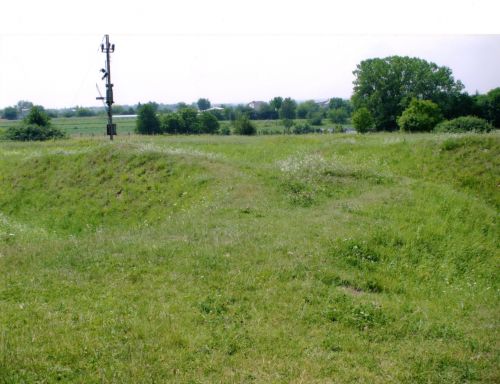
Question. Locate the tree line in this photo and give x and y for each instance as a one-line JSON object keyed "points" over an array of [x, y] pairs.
{"points": [[406, 93]]}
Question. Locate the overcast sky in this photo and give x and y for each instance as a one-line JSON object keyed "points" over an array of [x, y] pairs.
{"points": [[233, 51]]}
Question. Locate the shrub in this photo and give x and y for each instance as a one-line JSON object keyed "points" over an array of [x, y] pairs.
{"points": [[33, 132], [224, 130], [300, 129], [288, 124], [363, 120], [243, 126], [208, 123], [172, 123], [315, 118], [464, 124], [338, 129], [420, 116], [338, 116]]}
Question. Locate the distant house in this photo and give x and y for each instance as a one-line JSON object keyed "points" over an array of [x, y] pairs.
{"points": [[324, 103], [256, 104]]}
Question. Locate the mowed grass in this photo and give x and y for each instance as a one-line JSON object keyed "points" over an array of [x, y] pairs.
{"points": [[272, 259]]}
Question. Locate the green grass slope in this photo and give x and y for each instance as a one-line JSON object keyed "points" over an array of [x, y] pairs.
{"points": [[278, 259]]}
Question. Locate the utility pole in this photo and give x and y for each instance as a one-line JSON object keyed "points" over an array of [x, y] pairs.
{"points": [[108, 48]]}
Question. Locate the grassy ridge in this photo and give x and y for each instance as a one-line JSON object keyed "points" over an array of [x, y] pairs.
{"points": [[280, 259]]}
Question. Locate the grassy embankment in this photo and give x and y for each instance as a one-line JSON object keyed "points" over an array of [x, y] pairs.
{"points": [[322, 258]]}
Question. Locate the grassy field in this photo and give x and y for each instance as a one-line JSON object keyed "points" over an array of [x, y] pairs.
{"points": [[85, 126], [96, 126], [272, 259]]}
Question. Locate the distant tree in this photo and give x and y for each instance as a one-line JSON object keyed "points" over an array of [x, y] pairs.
{"points": [[265, 112], [203, 104], [339, 103], [181, 105], [362, 120], [84, 112], [229, 113], [243, 126], [420, 116], [10, 113], [190, 120], [117, 110], [208, 123], [147, 122], [307, 108], [69, 113], [172, 123], [37, 116], [315, 118], [218, 113], [386, 86], [288, 109], [23, 106], [276, 102], [53, 113], [338, 116], [242, 109]]}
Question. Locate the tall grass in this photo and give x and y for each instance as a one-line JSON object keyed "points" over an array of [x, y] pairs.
{"points": [[321, 258]]}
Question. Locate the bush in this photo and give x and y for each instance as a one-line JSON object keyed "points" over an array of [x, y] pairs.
{"points": [[301, 129], [464, 124], [363, 120], [224, 130], [420, 116], [208, 123], [287, 123], [33, 132], [243, 126], [338, 116], [172, 123], [315, 118]]}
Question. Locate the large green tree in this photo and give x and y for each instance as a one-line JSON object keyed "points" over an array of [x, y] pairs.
{"points": [[386, 86]]}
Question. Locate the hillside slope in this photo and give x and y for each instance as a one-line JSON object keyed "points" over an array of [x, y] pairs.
{"points": [[335, 258]]}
